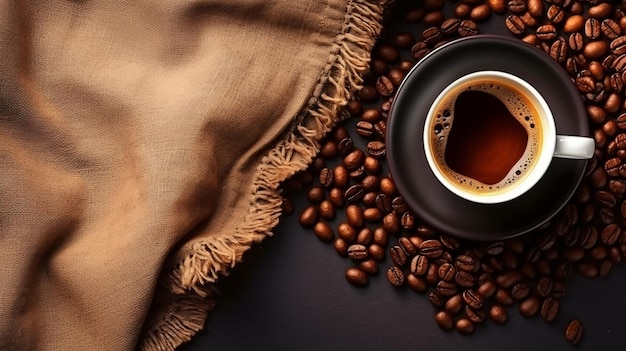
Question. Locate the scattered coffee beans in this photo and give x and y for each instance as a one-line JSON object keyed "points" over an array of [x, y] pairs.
{"points": [[354, 203]]}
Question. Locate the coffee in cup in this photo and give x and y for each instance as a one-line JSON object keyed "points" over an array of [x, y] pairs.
{"points": [[490, 136]]}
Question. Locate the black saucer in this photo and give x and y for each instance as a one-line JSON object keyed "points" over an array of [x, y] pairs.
{"points": [[425, 195]]}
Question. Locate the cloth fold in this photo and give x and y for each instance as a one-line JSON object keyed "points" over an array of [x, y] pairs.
{"points": [[142, 145]]}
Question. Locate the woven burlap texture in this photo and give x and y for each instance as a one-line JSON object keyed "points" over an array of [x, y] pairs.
{"points": [[142, 145]]}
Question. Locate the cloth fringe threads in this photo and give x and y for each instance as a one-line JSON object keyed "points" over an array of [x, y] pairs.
{"points": [[192, 281]]}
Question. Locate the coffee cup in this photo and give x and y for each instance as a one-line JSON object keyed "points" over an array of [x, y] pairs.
{"points": [[490, 136]]}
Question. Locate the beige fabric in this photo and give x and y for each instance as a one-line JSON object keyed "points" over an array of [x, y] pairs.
{"points": [[141, 147]]}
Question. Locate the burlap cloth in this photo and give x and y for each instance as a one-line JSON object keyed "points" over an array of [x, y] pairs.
{"points": [[142, 144]]}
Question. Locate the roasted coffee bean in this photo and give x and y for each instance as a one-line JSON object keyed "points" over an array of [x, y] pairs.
{"points": [[600, 10], [595, 49], [464, 326], [535, 8], [398, 256], [354, 193], [549, 309], [530, 306], [372, 165], [515, 24], [449, 242], [372, 214], [605, 268], [450, 26], [387, 186], [473, 299], [436, 299], [341, 246], [465, 263], [431, 249], [309, 216], [520, 291], [407, 246], [315, 194], [419, 265], [346, 232], [447, 272], [326, 210], [416, 283], [585, 84], [357, 252], [480, 13], [335, 196], [365, 236], [610, 234], [558, 50], [467, 28], [464, 279], [486, 289], [369, 266], [558, 290], [419, 50], [546, 32], [354, 159], [574, 24], [326, 177], [574, 331], [476, 316], [508, 279], [388, 52], [384, 86], [432, 35], [498, 314], [391, 224], [517, 6], [345, 146], [407, 220], [370, 184], [395, 276], [376, 252], [444, 320], [398, 205], [544, 286], [433, 18], [592, 28], [588, 237], [575, 41], [610, 29], [454, 304], [587, 269], [403, 40], [323, 231], [504, 297], [605, 198], [555, 14], [356, 276], [445, 288], [364, 128], [383, 203]]}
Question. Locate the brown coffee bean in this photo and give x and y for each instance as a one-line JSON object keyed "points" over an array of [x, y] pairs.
{"points": [[544, 286], [573, 24], [432, 35], [587, 269], [574, 331], [315, 194], [356, 276], [595, 49], [454, 304], [610, 234], [398, 256], [605, 268], [498, 314], [388, 52], [433, 18], [416, 283], [487, 289], [575, 41], [309, 216], [326, 177], [444, 320], [447, 272], [419, 265], [516, 6], [354, 193], [450, 26], [508, 279], [372, 214], [515, 24], [555, 14], [435, 299], [419, 50], [335, 196], [391, 224], [530, 306], [346, 145], [357, 252], [618, 45], [592, 28], [464, 279], [610, 29], [480, 13], [520, 291], [600, 10], [546, 32], [467, 28], [464, 326], [445, 288], [465, 263], [431, 249], [407, 246], [403, 40], [503, 297], [326, 210], [376, 252], [585, 84], [341, 246], [324, 231], [395, 276], [346, 232], [549, 309], [369, 266], [473, 299], [365, 236]]}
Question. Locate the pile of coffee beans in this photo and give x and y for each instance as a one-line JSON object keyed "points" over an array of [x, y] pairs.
{"points": [[355, 206]]}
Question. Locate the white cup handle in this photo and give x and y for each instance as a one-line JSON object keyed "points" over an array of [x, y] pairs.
{"points": [[575, 147]]}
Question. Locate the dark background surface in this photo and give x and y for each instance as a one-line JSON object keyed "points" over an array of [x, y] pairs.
{"points": [[290, 293]]}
